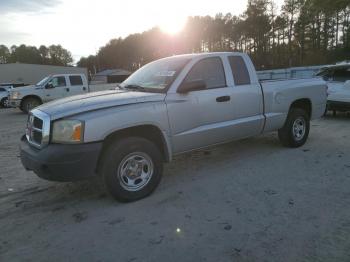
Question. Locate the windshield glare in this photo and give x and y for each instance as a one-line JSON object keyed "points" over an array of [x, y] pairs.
{"points": [[157, 75], [42, 81]]}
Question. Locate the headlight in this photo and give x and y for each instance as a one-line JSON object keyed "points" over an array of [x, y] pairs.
{"points": [[68, 131], [15, 95]]}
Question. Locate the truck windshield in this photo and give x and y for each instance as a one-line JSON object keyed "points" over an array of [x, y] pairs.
{"points": [[42, 81], [156, 76]]}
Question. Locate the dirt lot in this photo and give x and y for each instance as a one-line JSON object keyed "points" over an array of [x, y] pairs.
{"points": [[251, 200]]}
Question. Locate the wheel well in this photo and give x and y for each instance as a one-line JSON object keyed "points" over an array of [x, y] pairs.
{"points": [[304, 104], [30, 96], [149, 132]]}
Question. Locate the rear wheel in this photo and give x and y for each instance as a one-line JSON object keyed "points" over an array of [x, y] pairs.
{"points": [[29, 103], [131, 168], [296, 129]]}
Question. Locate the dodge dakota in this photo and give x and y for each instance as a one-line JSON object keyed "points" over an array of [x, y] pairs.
{"points": [[167, 107]]}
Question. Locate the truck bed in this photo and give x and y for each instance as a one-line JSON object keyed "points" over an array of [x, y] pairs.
{"points": [[279, 95]]}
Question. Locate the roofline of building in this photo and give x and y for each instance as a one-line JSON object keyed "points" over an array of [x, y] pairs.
{"points": [[41, 65]]}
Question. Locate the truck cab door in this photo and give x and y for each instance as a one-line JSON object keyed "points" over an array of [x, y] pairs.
{"points": [[77, 85], [55, 88], [201, 117], [247, 97]]}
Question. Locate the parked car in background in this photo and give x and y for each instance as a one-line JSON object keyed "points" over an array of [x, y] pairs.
{"points": [[166, 108], [338, 81], [51, 88], [4, 92]]}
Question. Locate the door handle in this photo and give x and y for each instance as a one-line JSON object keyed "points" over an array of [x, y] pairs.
{"points": [[223, 99], [67, 89]]}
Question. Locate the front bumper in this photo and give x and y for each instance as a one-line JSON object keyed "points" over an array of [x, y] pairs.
{"points": [[338, 106], [14, 103], [58, 162]]}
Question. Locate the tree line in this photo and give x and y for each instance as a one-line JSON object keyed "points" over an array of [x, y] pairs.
{"points": [[302, 32], [51, 55]]}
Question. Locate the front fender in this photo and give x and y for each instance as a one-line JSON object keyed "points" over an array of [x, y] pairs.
{"points": [[102, 123]]}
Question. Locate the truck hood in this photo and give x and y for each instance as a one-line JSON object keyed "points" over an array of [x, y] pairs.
{"points": [[25, 89], [97, 100]]}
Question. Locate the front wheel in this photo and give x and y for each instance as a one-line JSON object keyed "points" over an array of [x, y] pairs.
{"points": [[296, 129], [4, 102], [29, 103], [131, 168]]}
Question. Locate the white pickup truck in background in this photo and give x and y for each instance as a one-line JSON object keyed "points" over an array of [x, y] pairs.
{"points": [[51, 88]]}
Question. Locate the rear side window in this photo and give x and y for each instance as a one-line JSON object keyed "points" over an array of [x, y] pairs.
{"points": [[210, 70], [75, 80], [239, 70]]}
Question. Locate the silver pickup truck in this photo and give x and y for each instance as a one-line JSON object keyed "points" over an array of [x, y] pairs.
{"points": [[170, 106]]}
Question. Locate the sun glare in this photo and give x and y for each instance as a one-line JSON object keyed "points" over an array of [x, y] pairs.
{"points": [[172, 25]]}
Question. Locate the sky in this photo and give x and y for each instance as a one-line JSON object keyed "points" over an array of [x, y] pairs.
{"points": [[83, 26]]}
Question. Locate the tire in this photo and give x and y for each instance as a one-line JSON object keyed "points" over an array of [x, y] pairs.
{"points": [[29, 103], [3, 102], [296, 129], [131, 168]]}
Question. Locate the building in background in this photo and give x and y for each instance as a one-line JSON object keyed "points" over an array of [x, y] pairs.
{"points": [[29, 74], [110, 76]]}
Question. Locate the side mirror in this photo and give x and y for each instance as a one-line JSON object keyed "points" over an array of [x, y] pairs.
{"points": [[48, 86], [195, 85]]}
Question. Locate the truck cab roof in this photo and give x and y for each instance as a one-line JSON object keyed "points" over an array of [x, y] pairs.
{"points": [[203, 55]]}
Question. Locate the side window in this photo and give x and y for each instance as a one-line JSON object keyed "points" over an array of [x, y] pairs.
{"points": [[210, 70], [58, 81], [341, 75], [2, 89], [239, 70], [75, 80]]}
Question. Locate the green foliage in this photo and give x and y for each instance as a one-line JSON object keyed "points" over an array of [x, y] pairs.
{"points": [[57, 55], [4, 54], [304, 32], [52, 55], [89, 62]]}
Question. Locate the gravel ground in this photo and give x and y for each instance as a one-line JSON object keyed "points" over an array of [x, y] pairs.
{"points": [[251, 200]]}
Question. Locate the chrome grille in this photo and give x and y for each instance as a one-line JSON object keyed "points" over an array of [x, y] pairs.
{"points": [[38, 128]]}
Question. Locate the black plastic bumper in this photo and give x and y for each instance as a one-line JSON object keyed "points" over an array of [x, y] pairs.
{"points": [[338, 106], [59, 162]]}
